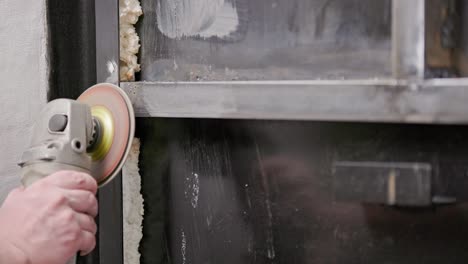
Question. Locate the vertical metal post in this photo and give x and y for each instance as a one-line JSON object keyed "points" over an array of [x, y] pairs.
{"points": [[72, 46], [107, 70], [408, 37]]}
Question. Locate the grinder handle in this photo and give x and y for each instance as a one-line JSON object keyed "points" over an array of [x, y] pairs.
{"points": [[37, 171]]}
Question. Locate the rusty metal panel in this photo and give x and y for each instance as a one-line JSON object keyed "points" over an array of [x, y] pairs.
{"points": [[389, 183]]}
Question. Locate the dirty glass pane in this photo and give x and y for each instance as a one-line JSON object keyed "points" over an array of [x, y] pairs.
{"points": [[235, 192], [224, 40]]}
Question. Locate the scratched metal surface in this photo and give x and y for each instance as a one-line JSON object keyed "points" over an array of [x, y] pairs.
{"points": [[446, 38], [273, 40], [232, 191]]}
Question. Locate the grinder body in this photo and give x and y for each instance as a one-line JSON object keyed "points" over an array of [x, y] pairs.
{"points": [[92, 134], [59, 141]]}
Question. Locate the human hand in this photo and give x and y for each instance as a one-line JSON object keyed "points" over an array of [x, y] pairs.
{"points": [[50, 221]]}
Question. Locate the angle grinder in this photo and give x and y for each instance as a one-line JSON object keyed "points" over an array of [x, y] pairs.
{"points": [[92, 134]]}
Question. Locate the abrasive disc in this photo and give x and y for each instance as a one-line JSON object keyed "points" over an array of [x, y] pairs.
{"points": [[113, 108]]}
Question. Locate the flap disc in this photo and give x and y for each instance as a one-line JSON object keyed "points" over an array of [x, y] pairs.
{"points": [[114, 125]]}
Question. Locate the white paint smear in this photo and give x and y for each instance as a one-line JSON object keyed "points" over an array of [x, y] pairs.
{"points": [[111, 66], [111, 69], [183, 246], [192, 189], [195, 190], [203, 18]]}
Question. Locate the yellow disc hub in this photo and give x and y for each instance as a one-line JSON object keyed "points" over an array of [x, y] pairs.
{"points": [[105, 134]]}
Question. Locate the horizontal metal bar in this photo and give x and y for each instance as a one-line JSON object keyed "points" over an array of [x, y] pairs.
{"points": [[442, 101]]}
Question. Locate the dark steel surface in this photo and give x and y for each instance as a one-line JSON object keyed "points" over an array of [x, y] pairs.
{"points": [[274, 40], [71, 44], [231, 191]]}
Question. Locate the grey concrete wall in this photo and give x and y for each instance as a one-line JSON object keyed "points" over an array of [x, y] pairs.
{"points": [[23, 75]]}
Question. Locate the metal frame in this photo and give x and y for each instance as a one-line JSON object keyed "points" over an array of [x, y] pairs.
{"points": [[85, 50]]}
